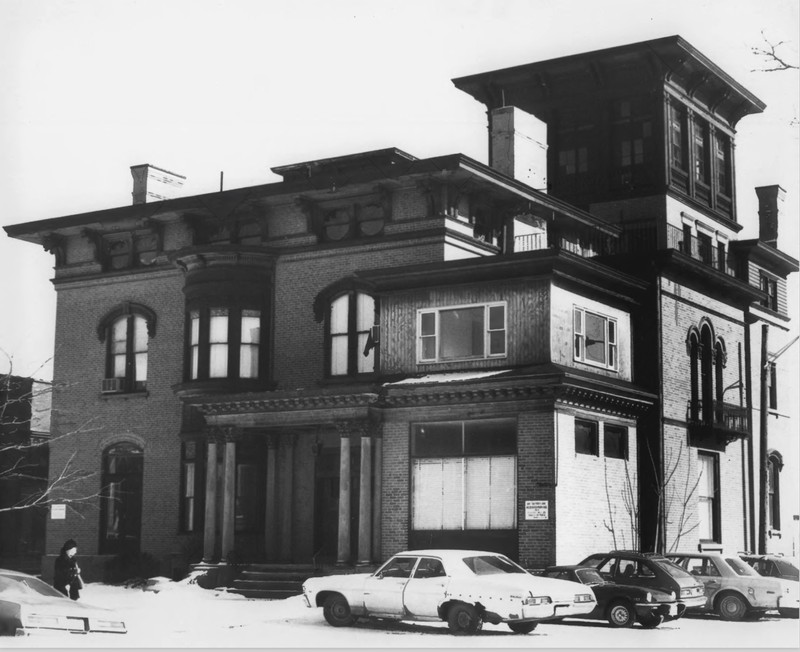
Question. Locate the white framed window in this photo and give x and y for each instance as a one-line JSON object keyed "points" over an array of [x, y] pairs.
{"points": [[708, 498], [595, 339], [249, 344], [466, 332]]}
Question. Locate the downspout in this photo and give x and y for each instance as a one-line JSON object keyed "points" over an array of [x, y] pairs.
{"points": [[762, 436], [748, 362], [744, 450], [661, 539]]}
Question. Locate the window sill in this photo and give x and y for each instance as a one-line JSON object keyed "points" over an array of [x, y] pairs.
{"points": [[124, 395]]}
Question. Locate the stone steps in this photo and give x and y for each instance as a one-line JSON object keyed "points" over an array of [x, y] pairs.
{"points": [[272, 581]]}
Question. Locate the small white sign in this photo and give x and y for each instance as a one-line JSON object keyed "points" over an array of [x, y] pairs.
{"points": [[58, 512], [536, 510]]}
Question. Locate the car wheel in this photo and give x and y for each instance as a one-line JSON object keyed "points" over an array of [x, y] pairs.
{"points": [[731, 607], [463, 618], [522, 628], [337, 611], [620, 614], [652, 621], [788, 613]]}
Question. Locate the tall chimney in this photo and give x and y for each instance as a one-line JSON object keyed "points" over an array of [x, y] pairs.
{"points": [[770, 199], [154, 184], [518, 145]]}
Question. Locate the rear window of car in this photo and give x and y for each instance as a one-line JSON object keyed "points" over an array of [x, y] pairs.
{"points": [[786, 569], [741, 568], [672, 569], [491, 565]]}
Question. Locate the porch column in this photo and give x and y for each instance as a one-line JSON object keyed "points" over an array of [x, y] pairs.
{"points": [[228, 495], [377, 485], [365, 501], [343, 551], [286, 506], [210, 523], [271, 517]]}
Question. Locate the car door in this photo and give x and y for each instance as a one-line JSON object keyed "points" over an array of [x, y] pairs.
{"points": [[425, 591], [383, 591], [706, 572]]}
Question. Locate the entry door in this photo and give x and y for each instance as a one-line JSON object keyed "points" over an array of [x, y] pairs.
{"points": [[326, 502], [121, 499]]}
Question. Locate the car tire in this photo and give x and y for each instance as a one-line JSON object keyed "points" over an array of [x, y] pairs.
{"points": [[337, 611], [652, 621], [463, 619], [522, 628], [789, 613], [732, 607], [620, 614]]}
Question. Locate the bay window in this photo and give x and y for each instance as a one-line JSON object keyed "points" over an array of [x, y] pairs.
{"points": [[223, 342]]}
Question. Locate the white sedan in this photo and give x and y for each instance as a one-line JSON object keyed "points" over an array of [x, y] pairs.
{"points": [[462, 587]]}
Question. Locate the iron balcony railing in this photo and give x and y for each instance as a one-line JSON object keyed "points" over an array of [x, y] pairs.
{"points": [[733, 420]]}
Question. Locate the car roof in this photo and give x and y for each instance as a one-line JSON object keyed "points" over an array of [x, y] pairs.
{"points": [[446, 553], [706, 555], [8, 571], [569, 567]]}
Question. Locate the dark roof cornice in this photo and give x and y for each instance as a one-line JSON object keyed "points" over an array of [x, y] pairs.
{"points": [[767, 256]]}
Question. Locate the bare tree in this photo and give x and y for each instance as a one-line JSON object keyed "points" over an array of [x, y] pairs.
{"points": [[774, 61], [629, 527], [22, 447]]}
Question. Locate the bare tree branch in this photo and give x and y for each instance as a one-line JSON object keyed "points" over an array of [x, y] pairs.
{"points": [[769, 52]]}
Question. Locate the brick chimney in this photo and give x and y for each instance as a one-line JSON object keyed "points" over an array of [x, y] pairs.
{"points": [[770, 200], [518, 146], [154, 184]]}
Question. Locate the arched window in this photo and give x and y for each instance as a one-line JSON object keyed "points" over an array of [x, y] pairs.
{"points": [[121, 499], [351, 334], [693, 346], [126, 330], [707, 373], [774, 467]]}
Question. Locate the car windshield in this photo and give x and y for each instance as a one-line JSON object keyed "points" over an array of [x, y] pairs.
{"points": [[20, 584], [741, 568], [492, 565], [589, 576], [672, 569]]}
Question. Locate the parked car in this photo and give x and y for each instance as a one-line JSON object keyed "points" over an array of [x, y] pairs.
{"points": [[28, 605], [650, 571], [621, 604], [461, 587], [773, 566], [732, 588]]}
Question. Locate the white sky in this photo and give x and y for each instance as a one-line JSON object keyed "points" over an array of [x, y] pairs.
{"points": [[90, 87]]}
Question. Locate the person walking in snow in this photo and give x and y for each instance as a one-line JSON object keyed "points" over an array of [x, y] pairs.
{"points": [[67, 577]]}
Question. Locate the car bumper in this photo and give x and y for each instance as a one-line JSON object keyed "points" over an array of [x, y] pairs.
{"points": [[667, 610], [695, 603], [555, 610]]}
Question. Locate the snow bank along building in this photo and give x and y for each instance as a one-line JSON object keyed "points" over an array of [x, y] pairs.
{"points": [[550, 355]]}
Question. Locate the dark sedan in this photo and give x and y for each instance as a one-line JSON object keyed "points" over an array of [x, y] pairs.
{"points": [[621, 604]]}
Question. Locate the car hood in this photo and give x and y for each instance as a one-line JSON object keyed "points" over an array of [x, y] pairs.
{"points": [[42, 604], [344, 581]]}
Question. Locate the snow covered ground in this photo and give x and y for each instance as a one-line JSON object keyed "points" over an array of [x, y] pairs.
{"points": [[181, 614]]}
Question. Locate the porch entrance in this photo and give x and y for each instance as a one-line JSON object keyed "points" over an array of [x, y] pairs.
{"points": [[326, 503]]}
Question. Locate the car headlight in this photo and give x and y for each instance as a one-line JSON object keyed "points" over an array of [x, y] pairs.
{"points": [[38, 620], [535, 601], [116, 625], [648, 597], [584, 597], [672, 595]]}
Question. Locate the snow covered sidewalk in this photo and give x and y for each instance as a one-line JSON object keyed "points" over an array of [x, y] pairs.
{"points": [[181, 614]]}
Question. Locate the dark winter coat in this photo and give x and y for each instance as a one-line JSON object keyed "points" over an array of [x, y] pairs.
{"points": [[67, 578]]}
